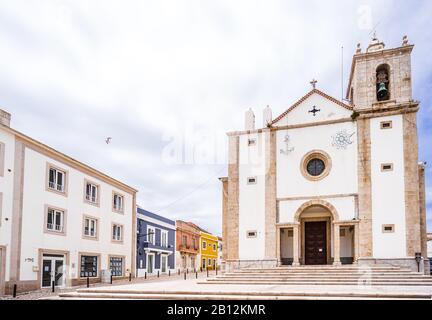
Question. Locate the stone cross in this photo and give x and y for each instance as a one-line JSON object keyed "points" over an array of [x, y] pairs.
{"points": [[313, 83], [314, 110]]}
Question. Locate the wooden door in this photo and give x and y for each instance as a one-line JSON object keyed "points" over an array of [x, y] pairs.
{"points": [[316, 243]]}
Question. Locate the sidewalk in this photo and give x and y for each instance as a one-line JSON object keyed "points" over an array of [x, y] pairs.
{"points": [[34, 295]]}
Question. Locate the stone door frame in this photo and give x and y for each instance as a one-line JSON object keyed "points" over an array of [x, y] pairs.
{"points": [[2, 269]]}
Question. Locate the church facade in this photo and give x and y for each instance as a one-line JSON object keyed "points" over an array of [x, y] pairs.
{"points": [[331, 182]]}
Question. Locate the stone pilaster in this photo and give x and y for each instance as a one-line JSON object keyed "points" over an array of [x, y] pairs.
{"points": [[224, 181], [422, 208], [270, 195], [412, 210], [17, 207], [296, 242], [232, 219], [336, 245], [356, 242], [364, 188]]}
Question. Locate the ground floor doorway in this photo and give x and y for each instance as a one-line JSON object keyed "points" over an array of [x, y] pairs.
{"points": [[315, 243], [150, 263], [53, 270], [164, 263]]}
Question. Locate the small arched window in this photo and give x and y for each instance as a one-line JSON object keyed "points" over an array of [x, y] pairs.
{"points": [[383, 82]]}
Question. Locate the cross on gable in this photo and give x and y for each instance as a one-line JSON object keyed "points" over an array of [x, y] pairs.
{"points": [[313, 83], [314, 110]]}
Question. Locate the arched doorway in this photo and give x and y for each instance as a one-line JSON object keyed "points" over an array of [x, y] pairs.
{"points": [[316, 235]]}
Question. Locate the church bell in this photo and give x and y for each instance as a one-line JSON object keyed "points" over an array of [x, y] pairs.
{"points": [[382, 90]]}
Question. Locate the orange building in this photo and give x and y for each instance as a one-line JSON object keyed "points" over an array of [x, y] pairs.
{"points": [[188, 245]]}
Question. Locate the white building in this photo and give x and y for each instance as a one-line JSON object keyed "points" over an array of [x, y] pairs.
{"points": [[329, 182], [60, 220]]}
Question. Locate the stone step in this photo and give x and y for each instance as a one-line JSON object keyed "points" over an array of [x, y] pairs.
{"points": [[383, 280], [326, 278], [373, 282], [334, 269], [236, 295], [334, 274], [329, 266]]}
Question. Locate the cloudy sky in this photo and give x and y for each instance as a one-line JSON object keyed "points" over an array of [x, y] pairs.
{"points": [[167, 79]]}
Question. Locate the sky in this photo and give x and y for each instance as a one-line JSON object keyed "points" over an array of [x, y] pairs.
{"points": [[167, 79]]}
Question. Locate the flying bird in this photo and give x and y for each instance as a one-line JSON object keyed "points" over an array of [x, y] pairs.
{"points": [[108, 140]]}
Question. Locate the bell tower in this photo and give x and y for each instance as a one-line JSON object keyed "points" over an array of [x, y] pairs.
{"points": [[380, 77], [391, 224]]}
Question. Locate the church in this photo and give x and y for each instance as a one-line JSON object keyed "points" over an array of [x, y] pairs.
{"points": [[330, 182]]}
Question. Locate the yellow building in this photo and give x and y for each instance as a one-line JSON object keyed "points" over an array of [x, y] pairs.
{"points": [[208, 250]]}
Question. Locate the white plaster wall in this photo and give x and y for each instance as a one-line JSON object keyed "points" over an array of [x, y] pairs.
{"points": [[388, 198], [6, 188], [301, 114], [251, 197], [346, 208], [342, 178], [35, 199]]}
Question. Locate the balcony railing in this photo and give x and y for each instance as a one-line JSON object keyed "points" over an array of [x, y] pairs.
{"points": [[188, 247], [91, 198], [89, 233], [55, 186], [54, 227], [118, 207]]}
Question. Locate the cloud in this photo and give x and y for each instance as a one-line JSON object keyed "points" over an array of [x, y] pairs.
{"points": [[74, 72]]}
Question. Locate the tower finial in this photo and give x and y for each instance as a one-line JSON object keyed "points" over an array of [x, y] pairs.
{"points": [[313, 83]]}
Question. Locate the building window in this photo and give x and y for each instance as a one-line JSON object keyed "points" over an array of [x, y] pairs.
{"points": [[194, 243], [315, 165], [118, 202], [388, 228], [251, 234], [55, 220], [387, 167], [386, 124], [164, 239], [57, 179], [251, 142], [151, 235], [117, 232], [91, 192], [90, 227], [116, 266], [204, 245], [89, 266], [209, 262], [203, 263], [251, 180], [290, 233], [184, 240], [214, 247]]}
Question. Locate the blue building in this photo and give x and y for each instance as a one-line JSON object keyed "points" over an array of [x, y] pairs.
{"points": [[155, 243]]}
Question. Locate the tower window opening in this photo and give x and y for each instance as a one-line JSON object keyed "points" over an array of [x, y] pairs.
{"points": [[382, 83]]}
